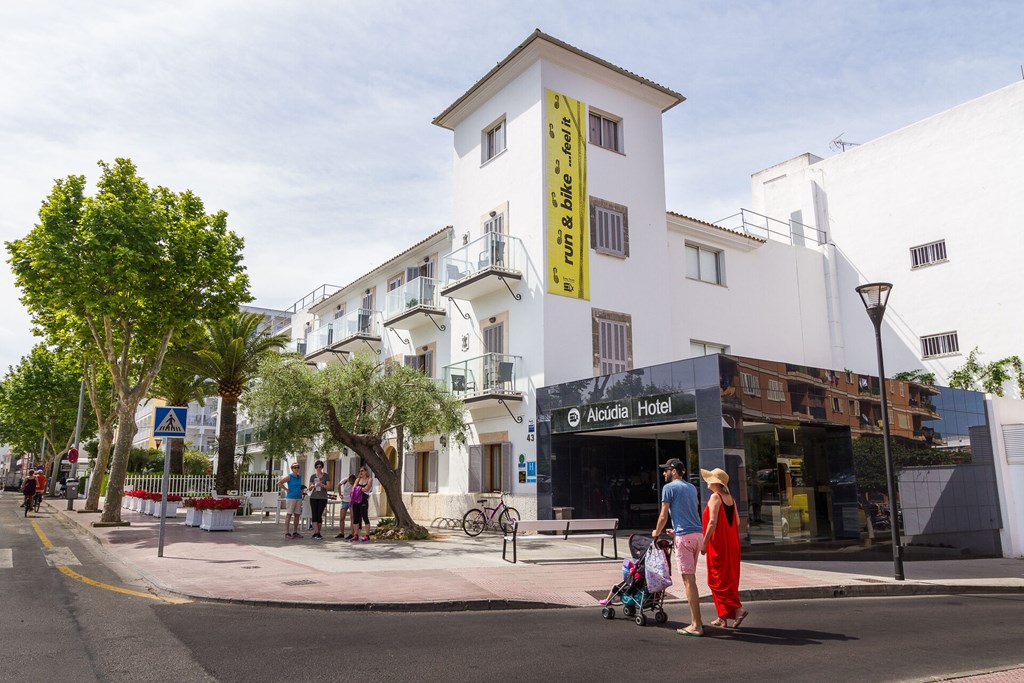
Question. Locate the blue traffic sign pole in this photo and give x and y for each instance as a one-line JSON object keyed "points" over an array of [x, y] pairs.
{"points": [[168, 423]]}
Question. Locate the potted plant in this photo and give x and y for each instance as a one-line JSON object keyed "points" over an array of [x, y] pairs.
{"points": [[171, 510], [193, 515], [218, 513]]}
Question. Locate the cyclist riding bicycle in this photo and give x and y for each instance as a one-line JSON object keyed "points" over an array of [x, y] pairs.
{"points": [[40, 486], [28, 489]]}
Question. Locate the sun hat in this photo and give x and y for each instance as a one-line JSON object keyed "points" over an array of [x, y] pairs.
{"points": [[715, 476]]}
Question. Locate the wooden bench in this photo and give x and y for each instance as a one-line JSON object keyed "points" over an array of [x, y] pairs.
{"points": [[563, 529]]}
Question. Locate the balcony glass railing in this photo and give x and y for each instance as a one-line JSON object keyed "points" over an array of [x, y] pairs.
{"points": [[487, 374], [421, 291], [493, 250], [362, 322]]}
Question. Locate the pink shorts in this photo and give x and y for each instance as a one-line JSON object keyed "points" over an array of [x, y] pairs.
{"points": [[687, 551]]}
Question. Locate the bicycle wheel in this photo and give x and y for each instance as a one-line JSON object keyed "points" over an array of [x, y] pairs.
{"points": [[473, 522], [38, 504], [506, 517]]}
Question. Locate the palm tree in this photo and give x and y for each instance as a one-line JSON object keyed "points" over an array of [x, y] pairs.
{"points": [[229, 356], [179, 386]]}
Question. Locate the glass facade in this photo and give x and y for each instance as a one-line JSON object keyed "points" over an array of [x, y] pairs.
{"points": [[802, 445]]}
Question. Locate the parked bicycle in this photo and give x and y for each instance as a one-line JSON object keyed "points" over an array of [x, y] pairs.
{"points": [[500, 517]]}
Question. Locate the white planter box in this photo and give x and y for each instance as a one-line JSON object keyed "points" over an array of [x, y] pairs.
{"points": [[126, 502], [136, 504], [193, 516], [171, 511], [147, 507], [218, 520]]}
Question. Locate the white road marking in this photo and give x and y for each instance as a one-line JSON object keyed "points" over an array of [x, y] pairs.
{"points": [[56, 557], [6, 558]]}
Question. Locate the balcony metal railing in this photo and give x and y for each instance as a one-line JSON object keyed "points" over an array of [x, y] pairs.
{"points": [[491, 373], [493, 250], [418, 292], [363, 322], [765, 227]]}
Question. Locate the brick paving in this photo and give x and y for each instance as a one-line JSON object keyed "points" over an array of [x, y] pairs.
{"points": [[256, 563]]}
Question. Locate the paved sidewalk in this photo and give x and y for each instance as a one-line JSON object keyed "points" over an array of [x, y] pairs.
{"points": [[256, 564]]}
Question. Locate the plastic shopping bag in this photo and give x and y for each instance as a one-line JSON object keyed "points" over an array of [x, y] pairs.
{"points": [[656, 570]]}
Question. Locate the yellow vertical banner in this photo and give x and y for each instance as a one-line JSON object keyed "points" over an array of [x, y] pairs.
{"points": [[566, 176]]}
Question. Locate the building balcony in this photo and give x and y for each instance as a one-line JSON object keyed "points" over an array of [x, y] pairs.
{"points": [[486, 380], [348, 334], [483, 266], [414, 304]]}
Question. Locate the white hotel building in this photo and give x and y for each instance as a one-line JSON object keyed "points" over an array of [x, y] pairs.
{"points": [[564, 283]]}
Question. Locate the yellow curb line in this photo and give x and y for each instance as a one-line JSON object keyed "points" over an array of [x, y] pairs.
{"points": [[72, 574]]}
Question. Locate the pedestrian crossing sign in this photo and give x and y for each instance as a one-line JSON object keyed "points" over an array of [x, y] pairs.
{"points": [[169, 421]]}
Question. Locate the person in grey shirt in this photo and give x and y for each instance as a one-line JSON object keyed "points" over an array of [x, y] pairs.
{"points": [[319, 485]]}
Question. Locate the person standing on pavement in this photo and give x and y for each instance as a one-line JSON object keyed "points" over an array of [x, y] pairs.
{"points": [[319, 485], [721, 544], [679, 499], [345, 493], [293, 500], [361, 505]]}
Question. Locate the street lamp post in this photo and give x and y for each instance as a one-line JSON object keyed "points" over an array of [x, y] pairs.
{"points": [[875, 296]]}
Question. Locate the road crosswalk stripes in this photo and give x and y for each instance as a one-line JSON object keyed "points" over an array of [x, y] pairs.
{"points": [[6, 558], [60, 557]]}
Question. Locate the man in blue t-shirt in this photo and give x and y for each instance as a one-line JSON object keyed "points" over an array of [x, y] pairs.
{"points": [[679, 499]]}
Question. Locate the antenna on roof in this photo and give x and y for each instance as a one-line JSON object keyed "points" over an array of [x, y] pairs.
{"points": [[840, 145]]}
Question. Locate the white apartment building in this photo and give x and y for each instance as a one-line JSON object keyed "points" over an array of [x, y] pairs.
{"points": [[934, 208]]}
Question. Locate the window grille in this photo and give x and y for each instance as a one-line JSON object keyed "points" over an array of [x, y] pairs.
{"points": [[940, 345], [933, 252]]}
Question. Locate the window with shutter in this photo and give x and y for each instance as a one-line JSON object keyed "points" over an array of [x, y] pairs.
{"points": [[604, 132], [432, 472], [612, 350], [476, 468], [494, 338], [608, 232]]}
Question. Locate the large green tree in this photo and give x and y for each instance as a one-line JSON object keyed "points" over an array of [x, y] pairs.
{"points": [[358, 405], [40, 397], [122, 271], [229, 356]]}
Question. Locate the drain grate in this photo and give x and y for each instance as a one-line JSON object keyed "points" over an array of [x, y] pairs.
{"points": [[300, 582]]}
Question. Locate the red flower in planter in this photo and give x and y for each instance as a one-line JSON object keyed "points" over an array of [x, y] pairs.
{"points": [[210, 503]]}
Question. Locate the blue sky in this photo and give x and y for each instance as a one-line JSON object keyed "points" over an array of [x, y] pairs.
{"points": [[309, 122]]}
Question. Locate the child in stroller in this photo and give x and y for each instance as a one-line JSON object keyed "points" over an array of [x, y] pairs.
{"points": [[632, 592]]}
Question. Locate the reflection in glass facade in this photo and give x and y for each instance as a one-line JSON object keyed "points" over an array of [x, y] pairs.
{"points": [[802, 445]]}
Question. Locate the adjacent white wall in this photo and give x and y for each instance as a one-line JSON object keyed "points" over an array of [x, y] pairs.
{"points": [[954, 176], [1009, 466]]}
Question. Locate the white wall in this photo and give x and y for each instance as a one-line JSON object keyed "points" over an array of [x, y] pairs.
{"points": [[954, 176], [1009, 468]]}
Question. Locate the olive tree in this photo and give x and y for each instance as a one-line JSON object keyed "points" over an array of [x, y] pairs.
{"points": [[358, 404]]}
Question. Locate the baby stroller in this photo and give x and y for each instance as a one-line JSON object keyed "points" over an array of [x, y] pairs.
{"points": [[632, 592]]}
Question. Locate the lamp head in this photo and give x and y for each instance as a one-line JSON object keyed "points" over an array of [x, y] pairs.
{"points": [[875, 296]]}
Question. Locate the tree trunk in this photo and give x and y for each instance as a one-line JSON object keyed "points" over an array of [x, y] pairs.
{"points": [[106, 440], [373, 455], [226, 441], [177, 465], [119, 465]]}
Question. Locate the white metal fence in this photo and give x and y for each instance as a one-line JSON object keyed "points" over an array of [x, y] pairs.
{"points": [[183, 484]]}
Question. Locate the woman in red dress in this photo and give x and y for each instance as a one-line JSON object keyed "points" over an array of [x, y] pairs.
{"points": [[721, 544]]}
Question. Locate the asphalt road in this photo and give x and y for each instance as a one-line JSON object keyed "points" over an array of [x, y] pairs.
{"points": [[55, 627]]}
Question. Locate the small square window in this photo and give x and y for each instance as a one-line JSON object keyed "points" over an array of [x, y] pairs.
{"points": [[927, 254], [945, 344], [494, 141], [703, 264], [604, 132]]}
